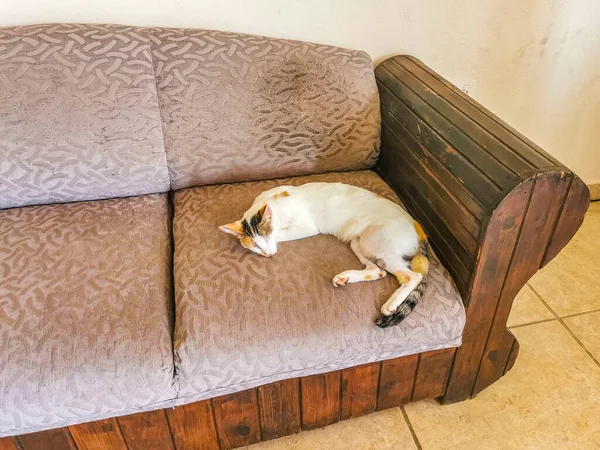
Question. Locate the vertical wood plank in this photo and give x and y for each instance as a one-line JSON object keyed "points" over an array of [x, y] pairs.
{"points": [[146, 431], [359, 390], [537, 226], [320, 400], [236, 419], [8, 443], [279, 407], [512, 356], [432, 374], [192, 426], [99, 435], [397, 381], [56, 439], [493, 262]]}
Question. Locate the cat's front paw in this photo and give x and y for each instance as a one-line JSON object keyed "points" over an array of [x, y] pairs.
{"points": [[340, 280], [388, 310]]}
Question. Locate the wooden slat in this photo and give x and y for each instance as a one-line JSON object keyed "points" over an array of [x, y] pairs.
{"points": [[56, 439], [534, 235], [397, 381], [571, 218], [494, 259], [359, 390], [8, 443], [279, 407], [396, 78], [512, 357], [99, 435], [192, 426], [320, 400], [236, 419], [432, 374], [146, 431]]}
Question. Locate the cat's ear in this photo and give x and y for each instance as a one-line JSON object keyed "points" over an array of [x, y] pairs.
{"points": [[266, 214], [234, 228]]}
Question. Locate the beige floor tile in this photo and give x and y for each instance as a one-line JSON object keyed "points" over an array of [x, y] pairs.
{"points": [[528, 308], [378, 431], [548, 401], [569, 283], [587, 329]]}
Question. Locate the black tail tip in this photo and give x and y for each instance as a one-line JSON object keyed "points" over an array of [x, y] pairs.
{"points": [[388, 321]]}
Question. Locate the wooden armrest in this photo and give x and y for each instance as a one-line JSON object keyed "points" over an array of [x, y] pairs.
{"points": [[495, 206]]}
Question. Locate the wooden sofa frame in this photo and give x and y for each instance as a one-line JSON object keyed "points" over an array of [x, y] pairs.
{"points": [[495, 207]]}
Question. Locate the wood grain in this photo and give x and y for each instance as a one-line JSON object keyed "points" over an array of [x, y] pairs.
{"points": [[56, 439], [146, 431], [432, 374], [359, 390], [8, 443], [192, 426], [237, 419], [320, 400], [279, 406], [99, 435], [397, 381]]}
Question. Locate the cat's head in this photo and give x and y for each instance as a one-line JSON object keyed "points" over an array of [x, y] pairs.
{"points": [[255, 234]]}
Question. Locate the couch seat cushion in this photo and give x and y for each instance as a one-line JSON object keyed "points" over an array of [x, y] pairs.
{"points": [[85, 318], [244, 320]]}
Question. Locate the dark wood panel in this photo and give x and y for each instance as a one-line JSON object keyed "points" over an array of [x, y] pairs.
{"points": [[439, 97], [397, 381], [494, 259], [540, 217], [100, 435], [8, 443], [492, 123], [320, 400], [570, 219], [146, 431], [57, 439], [396, 78], [479, 184], [236, 419], [279, 405], [192, 426], [359, 390], [432, 374]]}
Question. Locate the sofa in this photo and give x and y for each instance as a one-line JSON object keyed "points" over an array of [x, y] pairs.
{"points": [[127, 320]]}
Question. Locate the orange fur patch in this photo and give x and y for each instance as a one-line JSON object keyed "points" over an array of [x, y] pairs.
{"points": [[420, 232], [282, 194], [368, 277], [247, 242], [420, 264], [403, 277]]}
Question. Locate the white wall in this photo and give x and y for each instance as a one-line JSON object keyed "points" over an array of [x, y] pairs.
{"points": [[535, 63]]}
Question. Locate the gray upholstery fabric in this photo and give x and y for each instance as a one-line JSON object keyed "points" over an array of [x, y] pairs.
{"points": [[238, 107], [85, 320], [243, 320], [79, 115]]}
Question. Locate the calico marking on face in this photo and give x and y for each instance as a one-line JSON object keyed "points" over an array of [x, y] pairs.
{"points": [[257, 234]]}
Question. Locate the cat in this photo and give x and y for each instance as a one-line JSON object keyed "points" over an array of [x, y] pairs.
{"points": [[384, 237]]}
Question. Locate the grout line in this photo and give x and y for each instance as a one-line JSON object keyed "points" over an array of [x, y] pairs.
{"points": [[410, 428], [532, 323], [580, 343], [560, 319], [543, 301], [580, 313]]}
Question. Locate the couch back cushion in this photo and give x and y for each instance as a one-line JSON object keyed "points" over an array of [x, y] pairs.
{"points": [[238, 107], [79, 115]]}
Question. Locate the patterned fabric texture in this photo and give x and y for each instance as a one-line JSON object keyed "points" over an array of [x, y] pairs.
{"points": [[85, 319], [79, 115], [243, 320], [239, 107]]}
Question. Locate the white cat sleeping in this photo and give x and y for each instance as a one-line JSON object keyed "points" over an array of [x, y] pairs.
{"points": [[382, 235]]}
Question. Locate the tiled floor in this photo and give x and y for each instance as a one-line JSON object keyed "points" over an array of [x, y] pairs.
{"points": [[549, 400]]}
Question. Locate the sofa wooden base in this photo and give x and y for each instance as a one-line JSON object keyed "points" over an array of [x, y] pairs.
{"points": [[267, 412]]}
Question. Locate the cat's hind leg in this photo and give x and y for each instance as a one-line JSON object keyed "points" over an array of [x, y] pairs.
{"points": [[369, 273]]}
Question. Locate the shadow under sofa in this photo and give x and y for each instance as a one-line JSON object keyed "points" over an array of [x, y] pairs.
{"points": [[127, 320]]}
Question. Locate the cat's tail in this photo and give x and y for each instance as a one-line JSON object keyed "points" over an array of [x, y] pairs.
{"points": [[418, 264]]}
